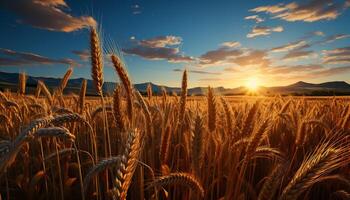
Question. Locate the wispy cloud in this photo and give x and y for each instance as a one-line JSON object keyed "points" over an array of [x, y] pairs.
{"points": [[298, 55], [336, 56], [209, 79], [159, 48], [48, 14], [264, 30], [314, 10], [332, 71], [219, 56], [304, 72], [287, 69], [256, 18], [136, 9], [333, 38], [14, 58], [159, 53], [161, 41], [252, 58], [198, 71], [231, 44], [84, 55], [291, 46]]}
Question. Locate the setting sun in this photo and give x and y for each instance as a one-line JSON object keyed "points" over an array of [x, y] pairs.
{"points": [[252, 83]]}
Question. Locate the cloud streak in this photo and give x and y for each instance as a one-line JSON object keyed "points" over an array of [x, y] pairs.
{"points": [[256, 18], [161, 41], [336, 56], [263, 31], [48, 14], [333, 38], [291, 46], [219, 56], [198, 72], [84, 55], [159, 48], [13, 58], [298, 55], [314, 10]]}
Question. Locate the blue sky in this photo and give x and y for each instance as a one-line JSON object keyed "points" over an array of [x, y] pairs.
{"points": [[220, 43]]}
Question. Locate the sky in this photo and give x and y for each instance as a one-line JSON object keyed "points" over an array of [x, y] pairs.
{"points": [[220, 43]]}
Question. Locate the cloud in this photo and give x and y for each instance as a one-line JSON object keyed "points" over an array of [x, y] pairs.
{"points": [[333, 38], [256, 18], [318, 33], [224, 56], [209, 79], [336, 56], [231, 44], [347, 4], [84, 55], [333, 71], [136, 9], [231, 69], [12, 58], [287, 69], [161, 41], [302, 72], [255, 58], [159, 48], [298, 55], [313, 34], [291, 46], [198, 72], [314, 10], [263, 30], [48, 14], [219, 56], [160, 53]]}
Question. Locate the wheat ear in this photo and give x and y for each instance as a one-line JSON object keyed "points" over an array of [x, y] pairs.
{"points": [[182, 106], [64, 80], [123, 75], [179, 179], [331, 154], [99, 167], [82, 95], [22, 84], [211, 110], [96, 60], [117, 109], [128, 164], [46, 92]]}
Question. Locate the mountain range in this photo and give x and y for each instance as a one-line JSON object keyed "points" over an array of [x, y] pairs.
{"points": [[10, 81]]}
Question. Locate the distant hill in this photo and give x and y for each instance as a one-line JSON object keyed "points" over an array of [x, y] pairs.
{"points": [[10, 81]]}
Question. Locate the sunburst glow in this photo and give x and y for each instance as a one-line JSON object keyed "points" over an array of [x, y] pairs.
{"points": [[252, 83]]}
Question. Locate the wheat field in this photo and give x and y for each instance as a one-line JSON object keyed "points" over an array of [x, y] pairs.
{"points": [[129, 146]]}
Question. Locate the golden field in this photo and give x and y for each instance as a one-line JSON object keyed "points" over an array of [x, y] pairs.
{"points": [[128, 146]]}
